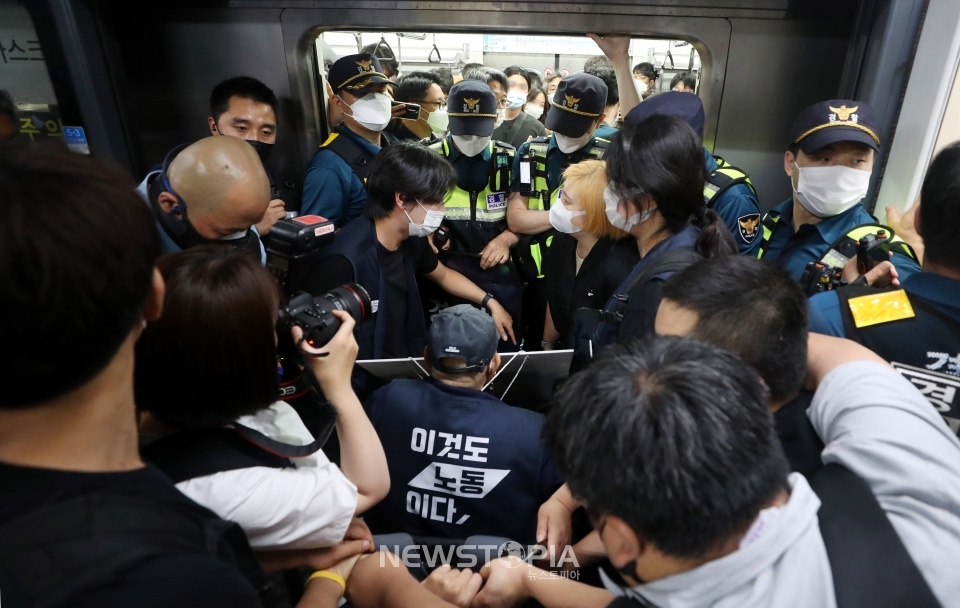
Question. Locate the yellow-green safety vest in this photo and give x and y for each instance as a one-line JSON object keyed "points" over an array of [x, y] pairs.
{"points": [[724, 177], [489, 204]]}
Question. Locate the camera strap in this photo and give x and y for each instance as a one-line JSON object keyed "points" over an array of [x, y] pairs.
{"points": [[278, 448]]}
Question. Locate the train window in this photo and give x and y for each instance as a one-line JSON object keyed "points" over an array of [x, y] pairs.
{"points": [[675, 63]]}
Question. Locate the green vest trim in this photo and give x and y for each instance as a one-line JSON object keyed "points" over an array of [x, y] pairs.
{"points": [[463, 205], [724, 177]]}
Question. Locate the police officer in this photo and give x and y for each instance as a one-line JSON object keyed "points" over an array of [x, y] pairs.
{"points": [[833, 145], [917, 327], [246, 108], [461, 461], [385, 252], [333, 185], [476, 209], [728, 190], [577, 110]]}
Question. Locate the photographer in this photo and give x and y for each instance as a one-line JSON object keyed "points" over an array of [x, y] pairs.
{"points": [[385, 253], [82, 521], [211, 192], [219, 329]]}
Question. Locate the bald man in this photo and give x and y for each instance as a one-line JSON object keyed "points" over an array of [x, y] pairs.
{"points": [[214, 192]]}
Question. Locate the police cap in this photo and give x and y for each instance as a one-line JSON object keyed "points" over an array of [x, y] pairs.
{"points": [[828, 122], [472, 108], [685, 106], [356, 73], [578, 103], [462, 332]]}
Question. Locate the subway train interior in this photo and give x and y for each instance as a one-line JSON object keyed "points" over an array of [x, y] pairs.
{"points": [[128, 84]]}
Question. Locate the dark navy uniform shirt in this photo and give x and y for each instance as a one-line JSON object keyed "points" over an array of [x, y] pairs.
{"points": [[461, 462], [942, 292], [735, 204], [331, 189], [794, 250]]}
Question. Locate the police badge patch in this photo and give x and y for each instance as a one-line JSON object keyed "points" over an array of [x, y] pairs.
{"points": [[749, 226]]}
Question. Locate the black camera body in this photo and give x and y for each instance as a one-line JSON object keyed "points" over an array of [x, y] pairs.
{"points": [[818, 277], [871, 250], [294, 238], [314, 315]]}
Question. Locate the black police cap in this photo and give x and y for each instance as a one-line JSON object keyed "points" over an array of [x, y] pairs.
{"points": [[356, 73], [829, 122], [578, 103], [472, 108]]}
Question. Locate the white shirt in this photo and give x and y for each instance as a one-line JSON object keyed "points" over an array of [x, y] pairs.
{"points": [[879, 426], [303, 508]]}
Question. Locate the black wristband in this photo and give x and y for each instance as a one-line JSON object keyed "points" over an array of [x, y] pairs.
{"points": [[486, 298]]}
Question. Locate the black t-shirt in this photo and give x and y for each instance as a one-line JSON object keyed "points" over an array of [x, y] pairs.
{"points": [[337, 271], [199, 580]]}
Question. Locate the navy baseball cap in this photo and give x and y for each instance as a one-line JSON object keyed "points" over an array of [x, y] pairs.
{"points": [[356, 73], [472, 108], [828, 122], [462, 332], [578, 103], [684, 106]]}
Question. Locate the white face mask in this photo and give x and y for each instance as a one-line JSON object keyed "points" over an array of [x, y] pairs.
{"points": [[829, 191], [438, 121], [611, 204], [535, 111], [501, 116], [516, 99], [471, 145], [572, 144], [561, 218], [431, 222], [372, 111]]}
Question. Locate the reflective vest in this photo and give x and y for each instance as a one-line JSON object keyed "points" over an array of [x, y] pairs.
{"points": [[356, 157], [543, 195], [843, 249], [724, 177], [477, 217]]}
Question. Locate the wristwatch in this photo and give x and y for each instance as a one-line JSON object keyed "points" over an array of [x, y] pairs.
{"points": [[486, 298]]}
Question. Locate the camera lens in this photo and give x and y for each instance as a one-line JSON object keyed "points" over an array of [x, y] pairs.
{"points": [[353, 299]]}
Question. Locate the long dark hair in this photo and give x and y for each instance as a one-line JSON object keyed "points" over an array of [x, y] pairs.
{"points": [[661, 157], [211, 357]]}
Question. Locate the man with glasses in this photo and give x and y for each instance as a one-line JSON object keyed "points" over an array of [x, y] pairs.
{"points": [[423, 89]]}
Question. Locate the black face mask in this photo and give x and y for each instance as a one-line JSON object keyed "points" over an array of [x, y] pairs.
{"points": [[182, 232], [263, 149]]}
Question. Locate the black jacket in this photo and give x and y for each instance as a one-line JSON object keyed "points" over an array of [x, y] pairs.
{"points": [[604, 269]]}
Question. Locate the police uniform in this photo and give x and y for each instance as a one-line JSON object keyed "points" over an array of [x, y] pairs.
{"points": [[832, 240], [334, 183], [461, 461], [727, 190], [916, 328], [475, 210]]}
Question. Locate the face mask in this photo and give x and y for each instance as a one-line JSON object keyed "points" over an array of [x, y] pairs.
{"points": [[561, 218], [438, 121], [535, 111], [572, 144], [431, 222], [611, 204], [516, 99], [471, 145], [263, 149], [501, 116], [829, 191], [372, 111]]}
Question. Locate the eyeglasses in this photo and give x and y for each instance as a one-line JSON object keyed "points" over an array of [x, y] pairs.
{"points": [[502, 103], [440, 105]]}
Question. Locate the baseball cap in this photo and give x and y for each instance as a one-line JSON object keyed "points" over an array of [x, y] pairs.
{"points": [[684, 106], [462, 332], [828, 122], [472, 108], [356, 73], [577, 104]]}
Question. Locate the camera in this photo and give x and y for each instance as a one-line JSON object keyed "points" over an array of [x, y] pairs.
{"points": [[871, 250], [818, 278], [441, 236], [314, 315], [293, 238]]}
